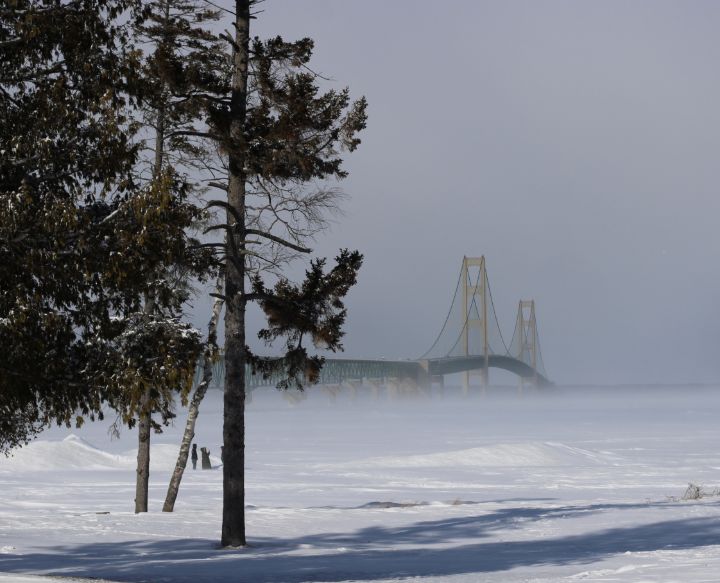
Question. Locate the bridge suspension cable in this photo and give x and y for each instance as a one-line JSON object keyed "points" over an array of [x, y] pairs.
{"points": [[464, 328], [473, 304], [540, 362], [478, 329], [525, 343], [474, 318], [447, 318], [492, 303]]}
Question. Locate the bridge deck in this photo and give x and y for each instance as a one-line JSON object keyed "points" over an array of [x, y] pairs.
{"points": [[338, 370]]}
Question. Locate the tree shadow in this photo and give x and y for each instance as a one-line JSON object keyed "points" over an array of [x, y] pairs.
{"points": [[370, 553]]}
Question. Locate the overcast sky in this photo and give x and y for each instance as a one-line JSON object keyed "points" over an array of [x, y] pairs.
{"points": [[575, 144]]}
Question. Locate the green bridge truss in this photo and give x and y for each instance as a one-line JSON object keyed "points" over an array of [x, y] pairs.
{"points": [[337, 371]]}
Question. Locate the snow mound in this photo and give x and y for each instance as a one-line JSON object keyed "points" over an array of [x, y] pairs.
{"points": [[499, 455], [74, 452]]}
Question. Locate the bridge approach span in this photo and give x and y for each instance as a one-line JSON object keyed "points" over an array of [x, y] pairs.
{"points": [[337, 371]]}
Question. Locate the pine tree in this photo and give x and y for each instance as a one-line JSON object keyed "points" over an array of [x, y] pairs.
{"points": [[280, 134]]}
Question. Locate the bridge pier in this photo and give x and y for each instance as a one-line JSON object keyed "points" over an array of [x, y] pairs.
{"points": [[374, 385], [294, 396], [531, 382], [331, 390], [410, 388], [352, 386], [423, 378], [440, 381], [484, 375], [392, 388]]}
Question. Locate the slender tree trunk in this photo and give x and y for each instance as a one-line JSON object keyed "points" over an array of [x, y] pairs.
{"points": [[233, 525], [194, 407], [144, 421], [143, 457], [142, 477]]}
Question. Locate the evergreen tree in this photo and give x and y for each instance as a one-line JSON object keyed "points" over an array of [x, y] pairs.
{"points": [[280, 135], [64, 145], [152, 354], [92, 256], [184, 65]]}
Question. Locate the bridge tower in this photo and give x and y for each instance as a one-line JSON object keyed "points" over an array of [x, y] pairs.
{"points": [[475, 309], [527, 326]]}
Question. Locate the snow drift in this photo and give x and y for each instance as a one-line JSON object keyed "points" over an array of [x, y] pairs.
{"points": [[499, 455], [74, 452]]}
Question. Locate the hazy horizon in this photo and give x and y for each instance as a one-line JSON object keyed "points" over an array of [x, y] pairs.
{"points": [[573, 144]]}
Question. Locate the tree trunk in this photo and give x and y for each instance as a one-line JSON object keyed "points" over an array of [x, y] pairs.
{"points": [[143, 456], [194, 407], [233, 525], [144, 426]]}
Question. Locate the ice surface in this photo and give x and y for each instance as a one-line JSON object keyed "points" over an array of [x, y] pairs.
{"points": [[559, 486]]}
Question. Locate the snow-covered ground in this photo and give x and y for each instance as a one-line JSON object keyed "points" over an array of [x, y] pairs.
{"points": [[566, 485]]}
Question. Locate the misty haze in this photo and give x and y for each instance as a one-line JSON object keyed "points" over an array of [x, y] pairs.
{"points": [[456, 324]]}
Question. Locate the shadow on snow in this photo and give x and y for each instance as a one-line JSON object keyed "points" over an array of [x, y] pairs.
{"points": [[368, 553]]}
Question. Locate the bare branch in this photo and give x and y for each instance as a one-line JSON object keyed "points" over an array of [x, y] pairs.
{"points": [[218, 185], [279, 240], [223, 204], [220, 7]]}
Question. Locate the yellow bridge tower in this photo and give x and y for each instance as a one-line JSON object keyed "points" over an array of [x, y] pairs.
{"points": [[475, 305]]}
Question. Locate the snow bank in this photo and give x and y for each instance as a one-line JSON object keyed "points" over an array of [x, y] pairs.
{"points": [[500, 455], [74, 452]]}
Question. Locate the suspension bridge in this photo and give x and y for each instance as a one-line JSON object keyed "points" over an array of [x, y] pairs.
{"points": [[470, 342]]}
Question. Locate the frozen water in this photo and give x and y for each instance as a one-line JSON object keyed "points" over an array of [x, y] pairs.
{"points": [[566, 485]]}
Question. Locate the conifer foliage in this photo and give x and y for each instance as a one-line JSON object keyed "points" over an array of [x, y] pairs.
{"points": [[280, 134], [181, 63], [90, 253], [313, 310], [64, 144], [107, 108]]}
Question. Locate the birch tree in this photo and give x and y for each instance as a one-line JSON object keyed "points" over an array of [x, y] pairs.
{"points": [[210, 354]]}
